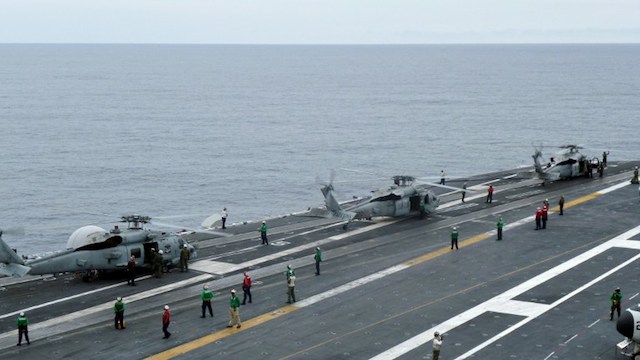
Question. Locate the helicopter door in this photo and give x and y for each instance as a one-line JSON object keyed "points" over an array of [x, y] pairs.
{"points": [[402, 207], [147, 251]]}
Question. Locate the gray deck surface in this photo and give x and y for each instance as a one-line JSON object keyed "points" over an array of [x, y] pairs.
{"points": [[385, 285]]}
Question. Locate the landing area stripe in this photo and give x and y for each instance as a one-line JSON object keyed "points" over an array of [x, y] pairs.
{"points": [[70, 321], [206, 340]]}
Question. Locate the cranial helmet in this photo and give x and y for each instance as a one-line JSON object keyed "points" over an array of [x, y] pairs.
{"points": [[22, 313], [166, 307], [160, 252]]}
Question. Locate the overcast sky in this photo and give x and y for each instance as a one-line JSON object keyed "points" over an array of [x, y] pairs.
{"points": [[319, 21]]}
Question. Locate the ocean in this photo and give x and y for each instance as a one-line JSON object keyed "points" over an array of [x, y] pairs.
{"points": [[177, 132]]}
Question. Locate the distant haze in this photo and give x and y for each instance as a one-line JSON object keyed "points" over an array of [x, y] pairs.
{"points": [[319, 22]]}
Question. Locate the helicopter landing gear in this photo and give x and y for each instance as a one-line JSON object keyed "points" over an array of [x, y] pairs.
{"points": [[90, 275], [345, 227]]}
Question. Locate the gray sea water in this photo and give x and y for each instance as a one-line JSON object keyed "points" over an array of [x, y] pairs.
{"points": [[92, 132]]}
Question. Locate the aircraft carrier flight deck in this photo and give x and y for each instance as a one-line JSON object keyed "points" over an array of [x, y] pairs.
{"points": [[386, 285]]}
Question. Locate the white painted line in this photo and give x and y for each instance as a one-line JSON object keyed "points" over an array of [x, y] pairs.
{"points": [[69, 298], [573, 337], [550, 355], [501, 301], [636, 294], [221, 268], [553, 305], [43, 329], [517, 307], [593, 323], [614, 187], [349, 286]]}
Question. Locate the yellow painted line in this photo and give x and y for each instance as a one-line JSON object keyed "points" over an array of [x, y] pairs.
{"points": [[261, 319], [445, 250], [577, 201], [205, 340]]}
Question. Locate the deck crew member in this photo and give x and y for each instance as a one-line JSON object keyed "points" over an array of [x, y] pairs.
{"points": [[464, 187], [437, 345], [206, 297], [234, 310], [166, 320], [601, 170], [604, 158], [263, 233], [545, 214], [538, 218], [184, 258], [158, 263], [223, 215], [442, 177], [318, 258], [561, 204], [246, 288], [615, 298], [500, 225], [118, 309], [634, 179], [291, 289], [23, 328], [454, 238], [490, 194], [291, 284], [131, 271]]}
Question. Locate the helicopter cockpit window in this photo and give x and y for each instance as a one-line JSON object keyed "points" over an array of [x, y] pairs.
{"points": [[136, 252]]}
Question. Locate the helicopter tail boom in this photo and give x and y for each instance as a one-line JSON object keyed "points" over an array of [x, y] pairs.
{"points": [[10, 263], [332, 205]]}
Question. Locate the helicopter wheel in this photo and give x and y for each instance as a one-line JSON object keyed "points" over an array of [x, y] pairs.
{"points": [[345, 227], [89, 275]]}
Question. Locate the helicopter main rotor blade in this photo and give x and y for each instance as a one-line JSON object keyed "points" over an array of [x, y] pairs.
{"points": [[205, 231], [14, 230]]}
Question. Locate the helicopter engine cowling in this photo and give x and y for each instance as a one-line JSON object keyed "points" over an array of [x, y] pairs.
{"points": [[629, 324], [87, 235]]}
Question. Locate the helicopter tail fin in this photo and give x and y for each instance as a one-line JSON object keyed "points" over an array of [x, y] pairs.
{"points": [[10, 263], [540, 171], [333, 205]]}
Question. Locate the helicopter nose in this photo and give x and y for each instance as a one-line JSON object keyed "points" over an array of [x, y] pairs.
{"points": [[625, 324]]}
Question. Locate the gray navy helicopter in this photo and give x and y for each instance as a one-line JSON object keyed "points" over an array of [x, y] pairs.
{"points": [[566, 164], [406, 197], [92, 249]]}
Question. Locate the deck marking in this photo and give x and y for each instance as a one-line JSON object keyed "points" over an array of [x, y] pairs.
{"points": [[208, 339], [221, 268], [452, 323], [426, 336], [41, 328], [573, 337], [69, 298]]}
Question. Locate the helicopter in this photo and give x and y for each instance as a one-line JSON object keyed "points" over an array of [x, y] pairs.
{"points": [[92, 249], [406, 197], [568, 163]]}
